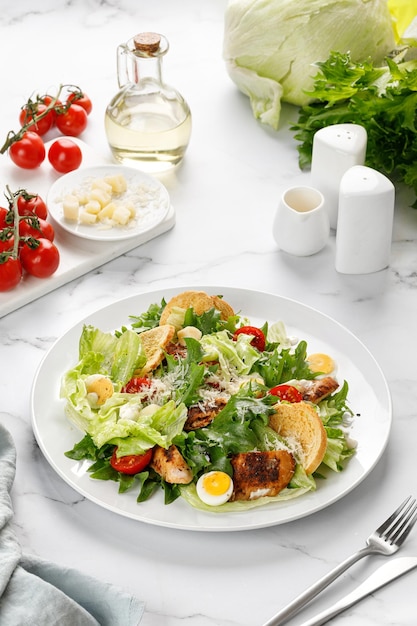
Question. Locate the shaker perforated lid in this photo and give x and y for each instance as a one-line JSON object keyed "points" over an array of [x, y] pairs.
{"points": [[147, 42]]}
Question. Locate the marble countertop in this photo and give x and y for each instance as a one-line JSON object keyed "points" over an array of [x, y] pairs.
{"points": [[225, 196]]}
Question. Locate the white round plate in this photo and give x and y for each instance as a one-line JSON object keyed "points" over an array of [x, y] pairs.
{"points": [[150, 197], [368, 392]]}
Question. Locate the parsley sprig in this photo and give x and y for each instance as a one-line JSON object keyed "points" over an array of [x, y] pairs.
{"points": [[381, 99]]}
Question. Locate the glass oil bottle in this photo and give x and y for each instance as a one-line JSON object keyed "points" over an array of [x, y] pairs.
{"points": [[147, 123]]}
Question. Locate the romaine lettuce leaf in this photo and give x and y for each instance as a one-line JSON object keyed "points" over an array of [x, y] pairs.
{"points": [[117, 356], [235, 357]]}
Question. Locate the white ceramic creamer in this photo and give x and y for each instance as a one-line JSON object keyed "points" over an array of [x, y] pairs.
{"points": [[301, 225]]}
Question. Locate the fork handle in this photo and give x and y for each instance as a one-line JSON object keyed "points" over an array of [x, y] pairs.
{"points": [[300, 601]]}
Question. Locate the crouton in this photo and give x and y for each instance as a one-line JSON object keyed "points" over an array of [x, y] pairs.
{"points": [[300, 422], [199, 301]]}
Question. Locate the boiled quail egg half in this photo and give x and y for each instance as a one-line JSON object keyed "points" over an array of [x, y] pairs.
{"points": [[214, 488], [320, 362], [99, 388]]}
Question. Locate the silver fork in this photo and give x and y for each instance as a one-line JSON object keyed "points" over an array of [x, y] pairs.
{"points": [[385, 540]]}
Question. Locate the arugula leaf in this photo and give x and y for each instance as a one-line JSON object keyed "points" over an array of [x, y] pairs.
{"points": [[334, 408], [281, 365], [150, 318], [239, 427], [187, 375], [381, 99], [189, 393], [210, 321], [84, 449], [149, 481]]}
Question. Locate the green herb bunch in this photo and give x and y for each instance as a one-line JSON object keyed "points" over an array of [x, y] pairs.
{"points": [[381, 99]]}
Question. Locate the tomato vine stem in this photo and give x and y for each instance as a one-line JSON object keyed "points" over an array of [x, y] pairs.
{"points": [[59, 108]]}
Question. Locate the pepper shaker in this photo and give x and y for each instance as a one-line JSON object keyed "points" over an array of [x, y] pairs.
{"points": [[365, 221], [336, 148]]}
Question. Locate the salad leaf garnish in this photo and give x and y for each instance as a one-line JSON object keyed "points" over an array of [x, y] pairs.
{"points": [[84, 449], [150, 318], [282, 365], [381, 99]]}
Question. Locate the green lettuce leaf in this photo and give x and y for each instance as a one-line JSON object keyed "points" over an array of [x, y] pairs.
{"points": [[235, 357]]}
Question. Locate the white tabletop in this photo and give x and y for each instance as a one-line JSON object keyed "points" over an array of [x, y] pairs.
{"points": [[225, 196]]}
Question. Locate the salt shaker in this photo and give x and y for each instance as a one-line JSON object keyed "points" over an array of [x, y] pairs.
{"points": [[336, 148], [365, 221]]}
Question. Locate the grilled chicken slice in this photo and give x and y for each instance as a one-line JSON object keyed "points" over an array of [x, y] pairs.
{"points": [[318, 389], [203, 414], [258, 474], [170, 464], [176, 350]]}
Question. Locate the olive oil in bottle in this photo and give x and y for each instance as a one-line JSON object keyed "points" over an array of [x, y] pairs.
{"points": [[147, 123]]}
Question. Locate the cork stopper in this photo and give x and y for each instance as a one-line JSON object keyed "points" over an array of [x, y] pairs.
{"points": [[147, 42]]}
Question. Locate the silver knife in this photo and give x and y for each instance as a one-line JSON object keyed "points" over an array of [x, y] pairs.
{"points": [[382, 576]]}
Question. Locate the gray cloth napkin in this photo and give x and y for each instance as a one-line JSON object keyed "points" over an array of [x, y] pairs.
{"points": [[36, 592]]}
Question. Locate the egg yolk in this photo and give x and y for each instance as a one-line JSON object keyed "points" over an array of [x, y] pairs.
{"points": [[320, 362], [216, 483], [99, 389]]}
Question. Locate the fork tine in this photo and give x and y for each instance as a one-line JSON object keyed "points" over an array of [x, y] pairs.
{"points": [[393, 518], [403, 530]]}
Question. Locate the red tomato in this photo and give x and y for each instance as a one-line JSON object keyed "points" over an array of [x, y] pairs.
{"points": [[32, 203], [73, 121], [3, 218], [10, 273], [258, 340], [136, 384], [40, 126], [27, 228], [28, 152], [40, 260], [78, 97], [132, 463], [65, 156], [287, 393], [47, 100], [6, 239]]}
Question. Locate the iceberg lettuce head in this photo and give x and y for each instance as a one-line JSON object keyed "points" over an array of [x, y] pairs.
{"points": [[270, 46]]}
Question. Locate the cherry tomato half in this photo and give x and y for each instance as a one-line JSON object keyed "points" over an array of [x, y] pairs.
{"points": [[10, 273], [81, 98], [40, 260], [258, 340], [27, 228], [132, 463], [73, 121], [41, 126], [28, 152], [136, 385], [287, 393], [65, 155], [32, 203]]}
